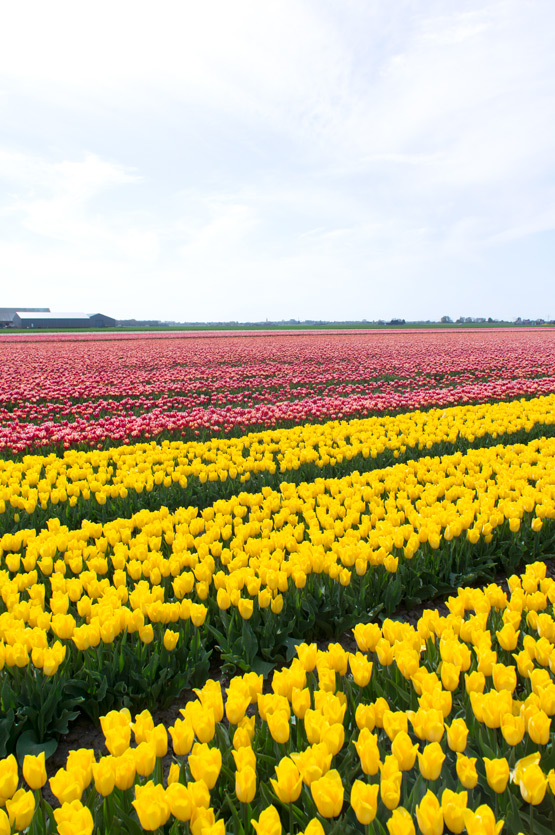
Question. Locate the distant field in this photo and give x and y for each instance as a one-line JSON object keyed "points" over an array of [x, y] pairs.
{"points": [[281, 327]]}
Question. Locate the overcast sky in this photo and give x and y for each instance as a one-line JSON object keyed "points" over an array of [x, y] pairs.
{"points": [[251, 159]]}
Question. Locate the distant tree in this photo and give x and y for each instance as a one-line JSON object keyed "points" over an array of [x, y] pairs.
{"points": [[446, 320]]}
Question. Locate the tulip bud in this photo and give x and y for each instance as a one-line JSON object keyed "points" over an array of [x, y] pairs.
{"points": [[368, 751], [430, 815], [400, 822], [431, 760], [179, 800], [34, 770], [457, 735], [104, 776], [482, 822], [364, 801], [20, 809], [466, 771], [328, 793], [151, 805], [404, 751], [205, 763], [453, 805], [289, 781], [74, 818], [245, 784], [269, 822]]}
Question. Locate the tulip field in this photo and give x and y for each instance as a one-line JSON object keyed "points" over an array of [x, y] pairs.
{"points": [[172, 504]]}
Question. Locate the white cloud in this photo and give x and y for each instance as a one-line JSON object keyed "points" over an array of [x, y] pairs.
{"points": [[260, 157]]}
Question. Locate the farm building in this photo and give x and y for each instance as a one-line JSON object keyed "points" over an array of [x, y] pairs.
{"points": [[7, 313], [24, 319]]}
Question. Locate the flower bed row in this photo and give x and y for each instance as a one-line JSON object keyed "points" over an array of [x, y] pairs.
{"points": [[127, 612], [103, 485], [442, 728], [145, 389]]}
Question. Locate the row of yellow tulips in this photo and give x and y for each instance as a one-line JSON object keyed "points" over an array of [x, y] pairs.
{"points": [[89, 479], [159, 567], [445, 727]]}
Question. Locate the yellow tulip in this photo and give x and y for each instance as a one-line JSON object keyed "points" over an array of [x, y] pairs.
{"points": [[158, 737], [9, 778], [457, 735], [368, 751], [278, 724], [314, 827], [21, 808], [145, 758], [508, 637], [268, 823], [300, 701], [400, 822], [243, 757], [539, 727], [365, 717], [203, 820], [450, 674], [245, 784], [482, 822], [466, 771], [151, 805], [289, 782], [179, 800], [104, 774], [198, 614], [307, 656], [475, 682], [512, 728], [313, 762], [430, 761], [404, 751], [453, 805], [328, 793], [394, 722], [504, 678], [202, 719], [390, 789], [65, 786], [34, 770], [497, 774], [183, 736], [142, 726], [430, 815], [205, 763], [170, 639], [74, 819], [361, 668], [533, 784], [236, 705], [125, 770], [246, 608], [364, 801], [5, 826]]}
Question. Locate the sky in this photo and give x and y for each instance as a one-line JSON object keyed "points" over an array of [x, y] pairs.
{"points": [[285, 159]]}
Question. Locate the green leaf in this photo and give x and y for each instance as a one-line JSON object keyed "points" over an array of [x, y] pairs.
{"points": [[260, 666], [250, 643], [6, 728], [29, 744]]}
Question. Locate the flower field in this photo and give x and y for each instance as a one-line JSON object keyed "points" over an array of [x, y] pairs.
{"points": [[165, 502]]}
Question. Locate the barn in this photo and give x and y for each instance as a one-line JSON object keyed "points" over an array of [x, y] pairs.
{"points": [[7, 313], [46, 319]]}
